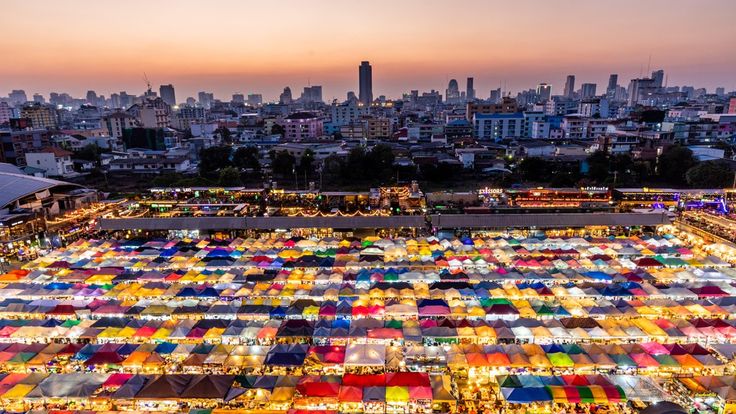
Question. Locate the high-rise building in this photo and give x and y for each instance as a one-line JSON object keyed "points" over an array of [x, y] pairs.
{"points": [[238, 98], [612, 82], [167, 94], [41, 116], [18, 97], [285, 97], [495, 95], [205, 99], [125, 99], [612, 86], [658, 78], [544, 91], [639, 88], [720, 91], [38, 98], [365, 83], [570, 86], [587, 90], [312, 94], [255, 99], [92, 97], [452, 94], [469, 91]]}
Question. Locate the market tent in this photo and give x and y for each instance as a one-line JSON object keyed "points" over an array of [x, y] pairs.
{"points": [[75, 385], [526, 395], [208, 386], [365, 355]]}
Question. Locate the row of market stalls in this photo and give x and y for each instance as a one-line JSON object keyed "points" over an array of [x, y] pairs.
{"points": [[165, 357], [366, 325], [396, 392], [430, 331], [631, 252]]}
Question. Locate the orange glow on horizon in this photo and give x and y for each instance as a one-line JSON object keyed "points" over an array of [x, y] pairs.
{"points": [[235, 46]]}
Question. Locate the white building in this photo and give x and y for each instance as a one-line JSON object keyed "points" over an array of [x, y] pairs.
{"points": [[56, 162], [498, 126], [150, 165]]}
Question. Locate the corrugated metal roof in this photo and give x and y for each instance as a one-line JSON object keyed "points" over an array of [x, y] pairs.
{"points": [[14, 186]]}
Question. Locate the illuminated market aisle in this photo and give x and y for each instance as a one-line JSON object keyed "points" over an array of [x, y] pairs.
{"points": [[370, 325]]}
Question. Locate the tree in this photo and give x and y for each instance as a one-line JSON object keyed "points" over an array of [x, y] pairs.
{"points": [[247, 157], [277, 129], [674, 163], [533, 169], [282, 163], [213, 158], [306, 162], [225, 134], [90, 152], [379, 162], [598, 166], [229, 177], [710, 174]]}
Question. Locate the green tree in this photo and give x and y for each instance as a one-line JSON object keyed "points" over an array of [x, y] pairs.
{"points": [[247, 157], [533, 169], [598, 166], [710, 174], [90, 152], [277, 129], [306, 162], [379, 162], [213, 158], [282, 163], [225, 134], [674, 163], [229, 177]]}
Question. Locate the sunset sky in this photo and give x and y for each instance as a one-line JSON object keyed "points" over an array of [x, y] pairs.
{"points": [[261, 46]]}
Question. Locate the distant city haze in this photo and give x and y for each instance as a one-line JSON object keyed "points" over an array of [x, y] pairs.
{"points": [[259, 47]]}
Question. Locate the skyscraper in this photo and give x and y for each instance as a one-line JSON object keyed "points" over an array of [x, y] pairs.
{"points": [[544, 91], [658, 78], [285, 97], [612, 82], [167, 94], [452, 94], [365, 80], [587, 90], [92, 97], [469, 91], [570, 86]]}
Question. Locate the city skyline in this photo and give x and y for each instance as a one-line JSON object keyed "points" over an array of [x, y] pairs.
{"points": [[486, 41]]}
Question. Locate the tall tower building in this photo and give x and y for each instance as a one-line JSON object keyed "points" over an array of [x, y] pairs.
{"points": [[612, 82], [92, 97], [285, 97], [365, 80], [469, 91], [452, 94], [167, 94], [587, 90], [658, 78], [570, 86], [544, 91]]}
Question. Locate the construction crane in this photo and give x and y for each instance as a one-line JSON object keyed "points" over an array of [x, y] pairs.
{"points": [[148, 83]]}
